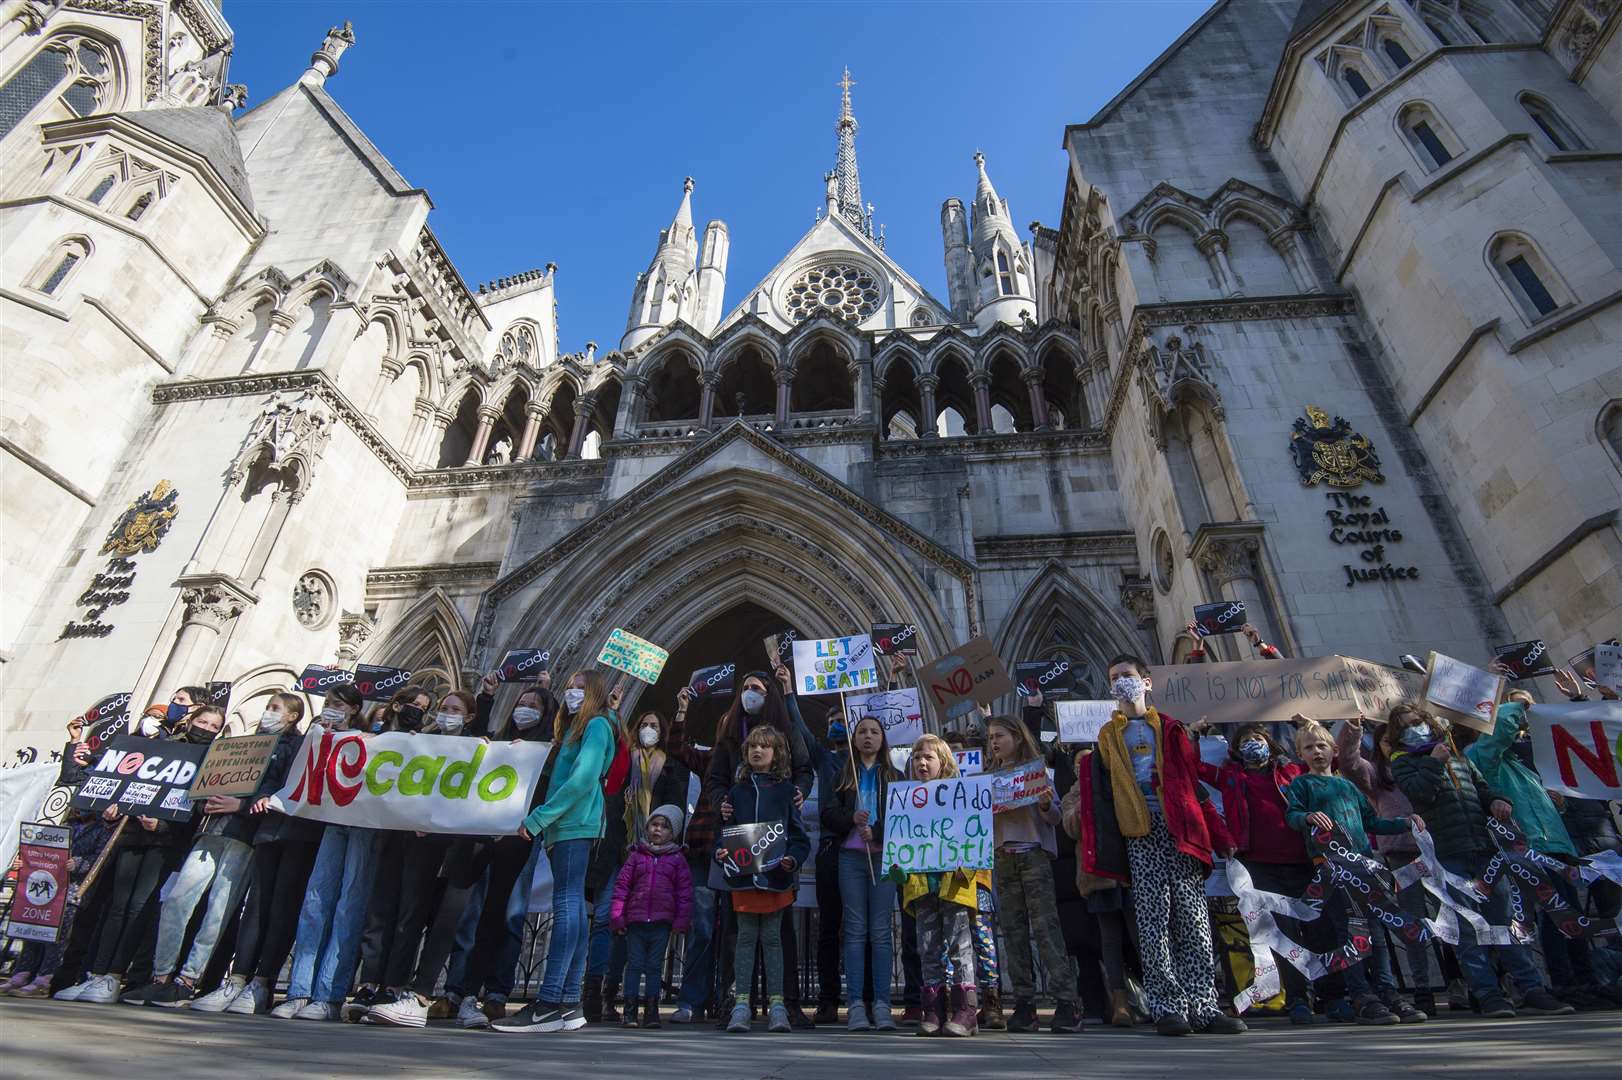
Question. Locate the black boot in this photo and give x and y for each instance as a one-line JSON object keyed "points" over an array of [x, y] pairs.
{"points": [[611, 990], [591, 1001], [650, 1013], [631, 1019]]}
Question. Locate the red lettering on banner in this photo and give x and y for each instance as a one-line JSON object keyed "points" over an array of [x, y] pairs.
{"points": [[1601, 762], [338, 770], [310, 781]]}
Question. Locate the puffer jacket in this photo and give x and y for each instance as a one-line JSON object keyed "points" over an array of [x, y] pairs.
{"points": [[1229, 780], [1590, 825], [1452, 800], [1535, 814], [653, 887], [1389, 802], [758, 799]]}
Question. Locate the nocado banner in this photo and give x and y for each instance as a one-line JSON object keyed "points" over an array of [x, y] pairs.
{"points": [[426, 783]]}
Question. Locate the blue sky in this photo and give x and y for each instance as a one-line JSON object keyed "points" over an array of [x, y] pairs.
{"points": [[561, 132]]}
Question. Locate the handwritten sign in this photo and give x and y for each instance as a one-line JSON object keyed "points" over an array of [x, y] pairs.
{"points": [[1081, 721], [895, 639], [1608, 667], [1578, 748], [42, 882], [834, 665], [940, 825], [970, 762], [1018, 785], [145, 777], [899, 712], [1466, 694], [1223, 617], [234, 766], [637, 658], [1267, 691], [713, 681], [522, 665], [970, 674]]}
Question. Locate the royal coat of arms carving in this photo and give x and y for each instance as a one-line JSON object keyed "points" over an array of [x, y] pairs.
{"points": [[144, 523], [1333, 454]]}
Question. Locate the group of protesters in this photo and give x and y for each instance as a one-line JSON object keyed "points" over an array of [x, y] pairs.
{"points": [[1102, 897]]}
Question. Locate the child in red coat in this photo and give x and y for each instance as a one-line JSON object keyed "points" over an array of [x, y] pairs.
{"points": [[652, 897]]}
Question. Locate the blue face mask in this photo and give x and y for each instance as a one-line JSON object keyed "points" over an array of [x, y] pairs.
{"points": [[1418, 735], [1254, 752], [176, 712]]}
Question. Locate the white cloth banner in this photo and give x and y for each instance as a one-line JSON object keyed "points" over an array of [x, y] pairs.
{"points": [[1578, 748], [22, 793], [426, 783]]}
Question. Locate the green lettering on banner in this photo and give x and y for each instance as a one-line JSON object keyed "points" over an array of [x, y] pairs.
{"points": [[381, 758], [509, 783], [418, 777], [458, 778]]}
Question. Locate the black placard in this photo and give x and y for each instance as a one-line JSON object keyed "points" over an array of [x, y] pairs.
{"points": [[893, 639], [780, 647], [713, 681], [523, 665], [747, 850], [318, 679], [143, 777], [109, 718], [1223, 617], [377, 683], [1525, 659], [1050, 678], [219, 694]]}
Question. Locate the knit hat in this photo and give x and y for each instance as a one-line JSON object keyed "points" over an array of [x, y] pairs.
{"points": [[671, 813]]}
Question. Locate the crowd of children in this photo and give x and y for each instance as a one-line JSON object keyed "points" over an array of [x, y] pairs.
{"points": [[1097, 898]]}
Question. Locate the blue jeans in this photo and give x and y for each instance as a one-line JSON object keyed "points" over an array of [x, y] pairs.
{"points": [[869, 901], [217, 868], [334, 912], [1474, 959], [608, 950], [466, 930], [571, 923], [645, 945], [698, 968]]}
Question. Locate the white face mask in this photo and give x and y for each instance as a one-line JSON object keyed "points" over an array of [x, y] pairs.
{"points": [[573, 698], [150, 725], [649, 737], [1128, 688], [271, 721], [525, 717], [450, 723], [332, 717]]}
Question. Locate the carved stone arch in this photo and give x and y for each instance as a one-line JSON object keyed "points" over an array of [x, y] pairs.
{"points": [[430, 634], [656, 357], [894, 352], [394, 329], [251, 298], [303, 293], [956, 349], [1058, 608], [461, 388], [427, 373], [1232, 205], [821, 327], [554, 381], [755, 337], [249, 691]]}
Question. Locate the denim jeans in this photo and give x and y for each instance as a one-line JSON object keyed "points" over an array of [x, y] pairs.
{"points": [[467, 929], [571, 923], [1474, 959], [645, 945], [216, 867], [607, 955], [698, 967], [334, 911], [869, 901]]}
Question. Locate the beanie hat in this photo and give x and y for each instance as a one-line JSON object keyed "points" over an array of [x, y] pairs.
{"points": [[673, 814]]}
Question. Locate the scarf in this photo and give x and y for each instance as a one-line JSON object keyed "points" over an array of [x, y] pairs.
{"points": [[661, 849], [1131, 808], [645, 768]]}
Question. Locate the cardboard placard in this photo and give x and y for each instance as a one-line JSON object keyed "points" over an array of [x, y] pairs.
{"points": [[970, 762], [142, 777], [319, 678], [1081, 721], [780, 648], [1050, 678], [834, 665], [899, 712], [895, 639], [940, 825], [234, 766], [1608, 666], [1525, 659], [639, 659], [42, 881], [746, 850], [1267, 691], [1222, 617], [378, 683], [1577, 748], [1019, 785], [1462, 692], [522, 665], [971, 674], [717, 680]]}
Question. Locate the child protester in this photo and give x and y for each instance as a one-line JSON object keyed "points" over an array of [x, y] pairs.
{"points": [[943, 907], [653, 897], [764, 793], [1319, 801]]}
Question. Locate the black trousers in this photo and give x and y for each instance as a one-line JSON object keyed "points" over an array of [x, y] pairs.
{"points": [[830, 916], [132, 903], [420, 888], [493, 942], [383, 910], [281, 870]]}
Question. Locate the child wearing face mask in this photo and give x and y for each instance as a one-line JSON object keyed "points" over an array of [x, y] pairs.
{"points": [[652, 897], [216, 869]]}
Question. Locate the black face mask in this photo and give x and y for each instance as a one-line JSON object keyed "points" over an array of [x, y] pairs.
{"points": [[409, 717], [200, 735], [1522, 748]]}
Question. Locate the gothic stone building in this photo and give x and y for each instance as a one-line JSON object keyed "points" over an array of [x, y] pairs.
{"points": [[254, 418]]}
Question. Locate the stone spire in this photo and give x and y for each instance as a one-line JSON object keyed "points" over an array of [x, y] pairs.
{"points": [[324, 61], [983, 190], [849, 180]]}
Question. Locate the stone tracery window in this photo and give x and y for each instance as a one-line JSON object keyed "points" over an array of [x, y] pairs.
{"points": [[313, 599], [75, 71], [846, 290]]}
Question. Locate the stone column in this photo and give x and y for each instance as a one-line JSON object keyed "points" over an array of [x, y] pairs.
{"points": [[1286, 240], [533, 414], [354, 628], [927, 385], [1214, 246], [279, 323], [422, 420], [860, 373], [1231, 562], [577, 435], [388, 370], [433, 439], [785, 387], [709, 380], [212, 602], [488, 415], [21, 17], [982, 401], [1039, 401]]}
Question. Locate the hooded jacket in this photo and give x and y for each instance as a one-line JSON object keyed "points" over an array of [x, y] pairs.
{"points": [[1504, 772], [757, 799], [653, 887]]}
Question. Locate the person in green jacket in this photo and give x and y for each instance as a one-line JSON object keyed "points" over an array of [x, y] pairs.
{"points": [[1505, 772], [568, 823]]}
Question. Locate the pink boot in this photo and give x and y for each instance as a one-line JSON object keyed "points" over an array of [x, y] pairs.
{"points": [[965, 1006], [933, 1000], [17, 981]]}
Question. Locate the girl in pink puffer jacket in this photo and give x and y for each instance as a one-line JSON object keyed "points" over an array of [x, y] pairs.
{"points": [[652, 898]]}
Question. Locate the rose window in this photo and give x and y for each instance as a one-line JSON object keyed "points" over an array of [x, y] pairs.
{"points": [[847, 291]]}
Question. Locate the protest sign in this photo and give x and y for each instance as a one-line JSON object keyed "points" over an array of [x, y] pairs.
{"points": [[969, 762], [234, 766], [1223, 617], [639, 659], [25, 794], [895, 639], [143, 778], [834, 665], [106, 719], [378, 683], [522, 665], [42, 882], [1525, 659], [746, 850], [1081, 721], [780, 647], [713, 681], [970, 674], [218, 694], [899, 712], [939, 825], [1608, 667], [1578, 747], [319, 678], [1050, 678], [1267, 691], [406, 781], [1462, 693], [1019, 785]]}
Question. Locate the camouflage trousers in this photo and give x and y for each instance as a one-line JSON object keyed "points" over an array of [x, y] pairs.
{"points": [[1028, 914]]}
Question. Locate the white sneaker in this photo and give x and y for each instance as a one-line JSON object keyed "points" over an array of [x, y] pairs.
{"points": [[403, 1009], [104, 992], [254, 999], [220, 998], [289, 1008], [318, 1010], [682, 1015], [777, 1019], [76, 991], [469, 1015], [738, 1022]]}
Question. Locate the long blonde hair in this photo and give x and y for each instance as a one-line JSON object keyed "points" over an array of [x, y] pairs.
{"points": [[1026, 747], [938, 746], [596, 704]]}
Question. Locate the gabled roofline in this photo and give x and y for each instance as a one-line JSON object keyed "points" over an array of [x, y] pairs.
{"points": [[1143, 76], [1284, 75]]}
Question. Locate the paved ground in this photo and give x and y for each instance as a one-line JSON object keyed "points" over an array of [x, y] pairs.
{"points": [[44, 1040]]}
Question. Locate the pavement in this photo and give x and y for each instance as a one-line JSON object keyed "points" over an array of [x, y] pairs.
{"points": [[48, 1040]]}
